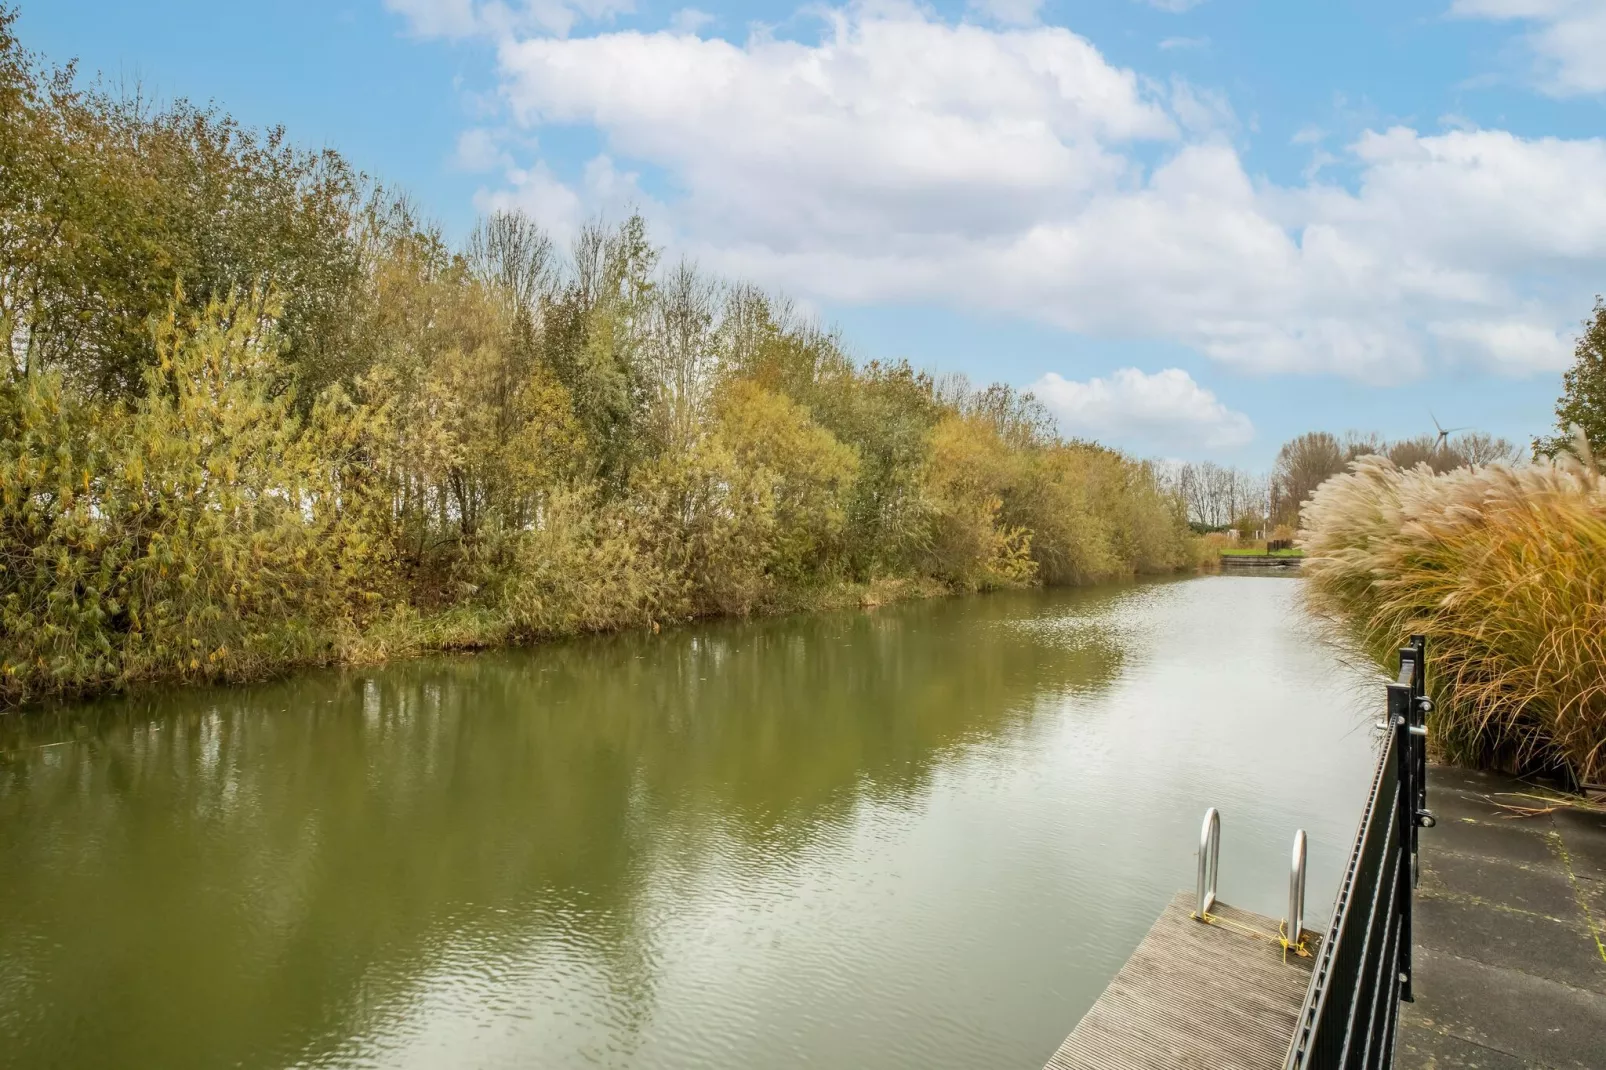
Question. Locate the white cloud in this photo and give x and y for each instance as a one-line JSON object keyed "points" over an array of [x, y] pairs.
{"points": [[892, 122], [561, 16], [1511, 344], [1171, 44], [1167, 410], [437, 18], [903, 158], [540, 194], [1201, 111], [478, 150], [603, 190], [1568, 39], [1467, 203], [1008, 12], [1176, 7]]}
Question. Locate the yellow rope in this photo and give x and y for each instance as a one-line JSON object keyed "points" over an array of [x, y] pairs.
{"points": [[1281, 939], [1298, 948]]}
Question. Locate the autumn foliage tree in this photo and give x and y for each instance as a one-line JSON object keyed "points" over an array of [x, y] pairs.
{"points": [[259, 412], [1582, 406]]}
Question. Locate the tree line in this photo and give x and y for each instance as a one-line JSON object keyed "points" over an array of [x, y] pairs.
{"points": [[258, 411], [1306, 462], [1221, 497]]}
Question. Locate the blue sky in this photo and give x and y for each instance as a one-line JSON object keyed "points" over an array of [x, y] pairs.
{"points": [[1195, 228]]}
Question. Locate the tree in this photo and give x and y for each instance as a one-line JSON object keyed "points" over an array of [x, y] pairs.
{"points": [[805, 471], [1016, 415], [680, 358], [1306, 462], [1303, 464], [1479, 447], [592, 337], [260, 412], [1461, 451], [1407, 453], [970, 471], [1214, 496], [1249, 525], [108, 207], [1583, 397], [508, 250]]}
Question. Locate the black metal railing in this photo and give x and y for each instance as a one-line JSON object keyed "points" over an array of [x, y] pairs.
{"points": [[1363, 970]]}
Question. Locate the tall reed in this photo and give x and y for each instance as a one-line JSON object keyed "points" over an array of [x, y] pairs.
{"points": [[1504, 568]]}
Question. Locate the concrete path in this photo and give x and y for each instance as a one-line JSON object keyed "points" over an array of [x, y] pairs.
{"points": [[1510, 935]]}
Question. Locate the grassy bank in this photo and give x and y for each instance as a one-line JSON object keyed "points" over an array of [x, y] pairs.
{"points": [[410, 634], [1504, 569]]}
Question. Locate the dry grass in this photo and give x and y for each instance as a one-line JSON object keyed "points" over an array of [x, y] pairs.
{"points": [[1504, 568], [1206, 551]]}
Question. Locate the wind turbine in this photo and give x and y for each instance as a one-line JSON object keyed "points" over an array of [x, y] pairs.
{"points": [[1444, 432]]}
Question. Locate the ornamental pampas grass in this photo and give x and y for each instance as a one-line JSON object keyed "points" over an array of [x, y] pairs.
{"points": [[1504, 569]]}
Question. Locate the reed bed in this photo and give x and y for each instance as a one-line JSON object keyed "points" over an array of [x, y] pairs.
{"points": [[1504, 569]]}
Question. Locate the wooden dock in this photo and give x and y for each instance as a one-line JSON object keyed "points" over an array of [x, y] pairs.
{"points": [[1196, 997], [1230, 562]]}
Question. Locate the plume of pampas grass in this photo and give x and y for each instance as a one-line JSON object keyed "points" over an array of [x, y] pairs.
{"points": [[1504, 569]]}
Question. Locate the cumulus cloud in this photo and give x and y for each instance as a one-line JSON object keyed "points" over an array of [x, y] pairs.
{"points": [[1167, 409], [893, 125], [901, 157], [1567, 39]]}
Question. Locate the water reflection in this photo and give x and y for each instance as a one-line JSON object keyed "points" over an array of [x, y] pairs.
{"points": [[921, 836]]}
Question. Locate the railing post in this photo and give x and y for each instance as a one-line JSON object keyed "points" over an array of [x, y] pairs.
{"points": [[1401, 719], [1421, 706], [1415, 813]]}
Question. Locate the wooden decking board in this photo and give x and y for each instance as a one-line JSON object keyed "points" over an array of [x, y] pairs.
{"points": [[1194, 997]]}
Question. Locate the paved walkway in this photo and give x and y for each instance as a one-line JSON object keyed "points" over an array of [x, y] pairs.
{"points": [[1510, 930]]}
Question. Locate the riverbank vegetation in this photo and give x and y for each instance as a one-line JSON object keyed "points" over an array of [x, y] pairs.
{"points": [[1503, 566], [259, 412], [1504, 569]]}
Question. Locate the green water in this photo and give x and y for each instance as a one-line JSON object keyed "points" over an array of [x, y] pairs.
{"points": [[922, 836]]}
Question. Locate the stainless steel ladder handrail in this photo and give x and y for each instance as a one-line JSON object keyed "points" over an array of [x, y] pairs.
{"points": [[1210, 867], [1209, 862], [1296, 890]]}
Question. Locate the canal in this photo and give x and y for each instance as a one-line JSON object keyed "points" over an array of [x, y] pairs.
{"points": [[921, 836]]}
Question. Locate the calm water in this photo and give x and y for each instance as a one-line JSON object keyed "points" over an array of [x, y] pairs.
{"points": [[925, 836]]}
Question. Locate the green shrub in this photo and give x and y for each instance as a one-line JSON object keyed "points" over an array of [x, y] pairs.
{"points": [[201, 531]]}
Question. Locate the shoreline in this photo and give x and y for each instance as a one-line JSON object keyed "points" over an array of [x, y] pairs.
{"points": [[409, 636]]}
